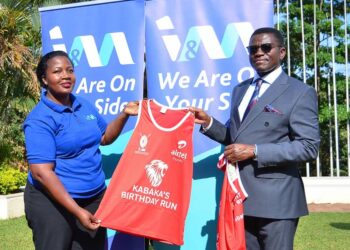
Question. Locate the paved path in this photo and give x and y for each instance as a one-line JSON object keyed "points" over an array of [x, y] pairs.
{"points": [[328, 207]]}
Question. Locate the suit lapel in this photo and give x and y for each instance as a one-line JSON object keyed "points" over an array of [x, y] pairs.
{"points": [[273, 92]]}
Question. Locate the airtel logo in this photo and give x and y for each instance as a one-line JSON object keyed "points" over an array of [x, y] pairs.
{"points": [[181, 144]]}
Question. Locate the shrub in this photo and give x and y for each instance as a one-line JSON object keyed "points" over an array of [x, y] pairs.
{"points": [[11, 179]]}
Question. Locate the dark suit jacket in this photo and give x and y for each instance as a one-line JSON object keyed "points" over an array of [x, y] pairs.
{"points": [[286, 136]]}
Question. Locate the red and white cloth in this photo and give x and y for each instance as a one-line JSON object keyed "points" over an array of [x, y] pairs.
{"points": [[150, 190], [231, 235]]}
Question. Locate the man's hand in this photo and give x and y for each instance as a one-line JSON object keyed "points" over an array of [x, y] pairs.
{"points": [[239, 152], [201, 117]]}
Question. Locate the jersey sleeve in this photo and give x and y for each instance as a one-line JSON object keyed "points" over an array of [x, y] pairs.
{"points": [[39, 142]]}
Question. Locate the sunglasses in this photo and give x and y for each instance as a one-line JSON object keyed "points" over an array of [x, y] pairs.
{"points": [[265, 47]]}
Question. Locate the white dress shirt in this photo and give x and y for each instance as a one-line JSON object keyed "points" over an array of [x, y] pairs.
{"points": [[267, 81]]}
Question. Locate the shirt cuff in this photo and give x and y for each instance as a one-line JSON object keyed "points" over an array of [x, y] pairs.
{"points": [[205, 129], [256, 152]]}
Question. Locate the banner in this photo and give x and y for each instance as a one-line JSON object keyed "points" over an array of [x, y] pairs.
{"points": [[196, 53], [105, 40]]}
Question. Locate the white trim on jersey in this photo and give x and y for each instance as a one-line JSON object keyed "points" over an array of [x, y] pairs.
{"points": [[163, 107], [232, 173]]}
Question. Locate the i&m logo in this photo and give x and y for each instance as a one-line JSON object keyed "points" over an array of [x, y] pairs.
{"points": [[206, 36], [115, 41]]}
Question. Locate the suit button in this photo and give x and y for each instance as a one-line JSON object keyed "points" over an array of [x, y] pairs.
{"points": [[266, 124]]}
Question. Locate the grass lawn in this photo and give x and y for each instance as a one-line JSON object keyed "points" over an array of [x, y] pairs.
{"points": [[323, 231], [318, 231], [15, 235]]}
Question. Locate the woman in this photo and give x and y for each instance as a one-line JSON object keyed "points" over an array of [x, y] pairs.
{"points": [[66, 181]]}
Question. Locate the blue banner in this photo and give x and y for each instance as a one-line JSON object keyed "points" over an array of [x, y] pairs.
{"points": [[196, 53], [106, 43], [105, 40]]}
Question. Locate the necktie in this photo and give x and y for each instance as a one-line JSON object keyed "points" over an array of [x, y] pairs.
{"points": [[254, 98]]}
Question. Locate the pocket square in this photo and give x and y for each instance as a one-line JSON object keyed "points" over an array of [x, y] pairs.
{"points": [[269, 108]]}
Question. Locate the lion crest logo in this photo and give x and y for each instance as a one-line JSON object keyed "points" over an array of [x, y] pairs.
{"points": [[155, 171]]}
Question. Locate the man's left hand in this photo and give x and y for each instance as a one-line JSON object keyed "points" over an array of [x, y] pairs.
{"points": [[239, 152]]}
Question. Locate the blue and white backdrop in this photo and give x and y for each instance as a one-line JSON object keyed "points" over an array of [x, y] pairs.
{"points": [[195, 54]]}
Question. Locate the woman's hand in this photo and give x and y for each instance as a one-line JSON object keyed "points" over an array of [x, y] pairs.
{"points": [[44, 173], [131, 108], [115, 127], [88, 220]]}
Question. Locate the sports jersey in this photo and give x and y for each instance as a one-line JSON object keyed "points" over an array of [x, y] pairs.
{"points": [[149, 192], [231, 235], [69, 138]]}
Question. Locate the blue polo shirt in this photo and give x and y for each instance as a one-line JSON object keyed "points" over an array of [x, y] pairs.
{"points": [[68, 137]]}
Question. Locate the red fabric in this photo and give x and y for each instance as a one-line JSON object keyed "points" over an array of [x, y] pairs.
{"points": [[231, 235], [150, 190]]}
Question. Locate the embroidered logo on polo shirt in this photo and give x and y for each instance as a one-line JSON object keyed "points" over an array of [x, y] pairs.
{"points": [[90, 117]]}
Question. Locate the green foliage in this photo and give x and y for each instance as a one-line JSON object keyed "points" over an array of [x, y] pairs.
{"points": [[18, 87], [17, 61], [12, 137], [11, 179], [324, 68]]}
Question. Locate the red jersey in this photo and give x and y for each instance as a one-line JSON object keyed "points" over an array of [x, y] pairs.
{"points": [[231, 235], [150, 190]]}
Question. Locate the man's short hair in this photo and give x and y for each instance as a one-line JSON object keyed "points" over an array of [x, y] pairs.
{"points": [[277, 34]]}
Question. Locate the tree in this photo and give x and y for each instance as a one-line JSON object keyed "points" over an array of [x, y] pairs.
{"points": [[324, 66], [18, 87]]}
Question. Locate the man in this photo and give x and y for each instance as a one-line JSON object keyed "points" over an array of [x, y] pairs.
{"points": [[273, 129]]}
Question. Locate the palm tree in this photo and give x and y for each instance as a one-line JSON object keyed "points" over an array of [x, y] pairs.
{"points": [[19, 43]]}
